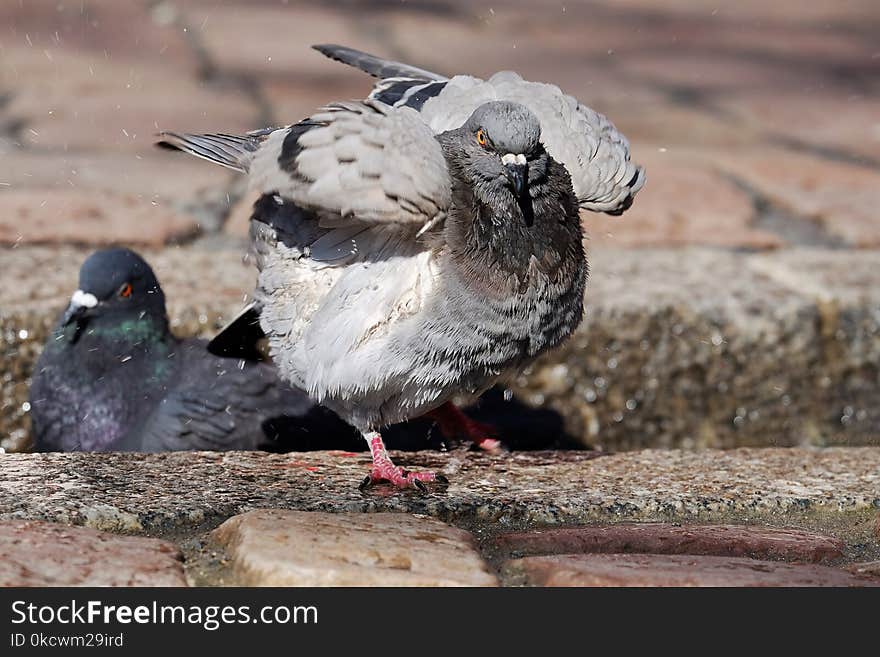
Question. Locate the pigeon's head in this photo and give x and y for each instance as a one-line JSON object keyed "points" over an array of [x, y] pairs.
{"points": [[502, 150], [116, 284]]}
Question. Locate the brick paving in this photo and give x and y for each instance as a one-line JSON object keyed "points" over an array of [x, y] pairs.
{"points": [[748, 517], [722, 104], [663, 538], [673, 570], [34, 553], [297, 548], [751, 245]]}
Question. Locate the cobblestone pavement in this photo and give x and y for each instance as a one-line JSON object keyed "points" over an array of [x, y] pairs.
{"points": [[735, 304], [759, 517]]}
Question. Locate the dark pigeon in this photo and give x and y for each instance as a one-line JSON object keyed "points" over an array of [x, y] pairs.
{"points": [[112, 377]]}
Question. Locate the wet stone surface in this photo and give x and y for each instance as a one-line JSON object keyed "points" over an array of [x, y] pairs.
{"points": [[34, 553], [270, 547], [162, 494], [673, 570], [663, 359]]}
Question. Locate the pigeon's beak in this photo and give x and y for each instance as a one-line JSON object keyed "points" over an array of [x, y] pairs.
{"points": [[517, 172], [80, 304]]}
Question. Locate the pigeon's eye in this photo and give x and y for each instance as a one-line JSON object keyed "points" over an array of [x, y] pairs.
{"points": [[125, 290], [481, 137]]}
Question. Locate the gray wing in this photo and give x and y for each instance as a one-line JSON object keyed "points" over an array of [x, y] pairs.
{"points": [[220, 404], [231, 151], [356, 162], [593, 151], [361, 161], [399, 85]]}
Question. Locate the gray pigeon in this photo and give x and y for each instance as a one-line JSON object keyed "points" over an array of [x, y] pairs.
{"points": [[112, 377], [425, 242]]}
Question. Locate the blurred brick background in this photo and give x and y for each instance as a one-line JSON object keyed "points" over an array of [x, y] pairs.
{"points": [[759, 122]]}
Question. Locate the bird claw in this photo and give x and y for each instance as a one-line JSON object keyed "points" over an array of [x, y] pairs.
{"points": [[385, 470], [490, 445], [402, 478]]}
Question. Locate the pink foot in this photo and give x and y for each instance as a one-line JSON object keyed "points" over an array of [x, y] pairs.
{"points": [[385, 470], [454, 423]]}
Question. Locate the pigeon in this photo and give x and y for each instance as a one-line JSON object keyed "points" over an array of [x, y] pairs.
{"points": [[424, 243], [112, 377]]}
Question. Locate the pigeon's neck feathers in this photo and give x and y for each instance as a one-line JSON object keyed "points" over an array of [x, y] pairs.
{"points": [[148, 330], [489, 229], [108, 343], [93, 389]]}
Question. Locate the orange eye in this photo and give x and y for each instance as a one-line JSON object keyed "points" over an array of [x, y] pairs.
{"points": [[125, 291], [481, 137]]}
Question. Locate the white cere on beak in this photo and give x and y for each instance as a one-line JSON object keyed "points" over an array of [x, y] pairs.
{"points": [[510, 158], [84, 299]]}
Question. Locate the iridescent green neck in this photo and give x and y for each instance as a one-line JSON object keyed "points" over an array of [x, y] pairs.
{"points": [[104, 345], [145, 330]]}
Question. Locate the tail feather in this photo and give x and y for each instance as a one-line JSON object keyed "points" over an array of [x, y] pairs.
{"points": [[240, 338], [231, 151], [376, 66]]}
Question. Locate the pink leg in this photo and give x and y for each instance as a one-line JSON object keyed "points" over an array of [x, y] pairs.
{"points": [[454, 423], [385, 470]]}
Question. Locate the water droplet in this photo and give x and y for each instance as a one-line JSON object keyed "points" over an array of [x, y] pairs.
{"points": [[26, 406], [23, 334], [631, 404]]}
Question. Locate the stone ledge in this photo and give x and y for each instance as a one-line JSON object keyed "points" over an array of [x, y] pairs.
{"points": [[679, 348], [181, 493]]}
